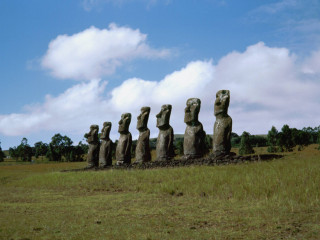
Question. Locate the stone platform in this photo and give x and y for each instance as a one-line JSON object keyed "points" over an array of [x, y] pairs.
{"points": [[207, 161]]}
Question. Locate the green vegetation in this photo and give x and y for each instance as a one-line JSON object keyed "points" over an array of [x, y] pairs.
{"points": [[2, 155], [60, 149], [279, 199], [288, 138], [245, 145], [255, 140], [272, 139]]}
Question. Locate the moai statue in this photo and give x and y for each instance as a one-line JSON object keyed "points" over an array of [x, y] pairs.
{"points": [[223, 125], [164, 148], [194, 136], [105, 154], [123, 151], [143, 149], [93, 152]]}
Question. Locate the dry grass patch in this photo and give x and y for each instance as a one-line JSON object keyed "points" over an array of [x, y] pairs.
{"points": [[261, 200]]}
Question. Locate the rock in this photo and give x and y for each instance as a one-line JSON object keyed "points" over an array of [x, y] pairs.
{"points": [[194, 136], [223, 124], [143, 149], [164, 147], [123, 150], [93, 151], [105, 153]]}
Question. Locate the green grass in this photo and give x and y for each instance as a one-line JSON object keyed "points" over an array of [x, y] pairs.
{"points": [[264, 200]]}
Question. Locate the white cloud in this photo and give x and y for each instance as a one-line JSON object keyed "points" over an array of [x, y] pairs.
{"points": [[312, 64], [95, 52], [70, 111], [268, 87]]}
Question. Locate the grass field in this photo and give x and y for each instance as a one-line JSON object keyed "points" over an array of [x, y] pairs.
{"points": [[279, 199]]}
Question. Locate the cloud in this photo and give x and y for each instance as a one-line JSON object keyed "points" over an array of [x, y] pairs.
{"points": [[295, 23], [312, 64], [269, 86], [70, 111], [95, 52]]}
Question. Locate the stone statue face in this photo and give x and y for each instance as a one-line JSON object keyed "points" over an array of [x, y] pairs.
{"points": [[106, 130], [192, 110], [221, 103], [93, 134], [124, 123], [163, 117], [143, 118], [92, 129]]}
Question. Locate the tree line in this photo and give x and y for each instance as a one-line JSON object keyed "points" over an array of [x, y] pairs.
{"points": [[278, 141], [61, 148], [288, 138]]}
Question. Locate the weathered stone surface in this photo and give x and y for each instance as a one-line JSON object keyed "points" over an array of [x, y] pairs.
{"points": [[223, 124], [193, 144], [105, 153], [123, 150], [93, 141], [142, 148], [164, 147]]}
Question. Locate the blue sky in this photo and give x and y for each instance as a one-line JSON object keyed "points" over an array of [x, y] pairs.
{"points": [[67, 64]]}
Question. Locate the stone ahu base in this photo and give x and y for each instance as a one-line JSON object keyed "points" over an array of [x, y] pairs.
{"points": [[207, 161]]}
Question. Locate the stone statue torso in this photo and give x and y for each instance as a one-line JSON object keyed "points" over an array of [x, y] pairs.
{"points": [[105, 154], [123, 151], [164, 148], [193, 141], [222, 135], [143, 149]]}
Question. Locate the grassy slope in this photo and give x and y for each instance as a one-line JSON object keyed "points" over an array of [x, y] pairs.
{"points": [[263, 200]]}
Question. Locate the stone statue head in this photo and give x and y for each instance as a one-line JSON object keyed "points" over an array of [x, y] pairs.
{"points": [[94, 129], [106, 130], [93, 134], [124, 123], [163, 117], [192, 110], [143, 118], [221, 103]]}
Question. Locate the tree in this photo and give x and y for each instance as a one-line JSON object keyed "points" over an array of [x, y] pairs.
{"points": [[285, 140], [84, 147], [153, 143], [258, 141], [2, 155], [178, 145], [77, 152], [312, 133], [40, 149], [24, 150], [13, 153], [58, 147], [300, 138], [133, 148], [207, 144], [245, 146], [235, 140], [272, 139]]}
